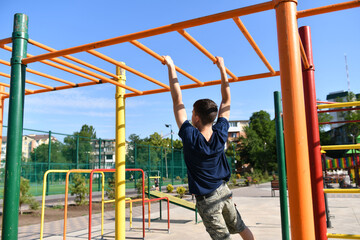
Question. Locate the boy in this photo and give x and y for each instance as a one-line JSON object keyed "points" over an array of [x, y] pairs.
{"points": [[208, 168]]}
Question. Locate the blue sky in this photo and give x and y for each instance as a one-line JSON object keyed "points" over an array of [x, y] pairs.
{"points": [[63, 24]]}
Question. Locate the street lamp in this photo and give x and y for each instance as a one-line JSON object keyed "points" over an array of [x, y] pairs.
{"points": [[172, 153]]}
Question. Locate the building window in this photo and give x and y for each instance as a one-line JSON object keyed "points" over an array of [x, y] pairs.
{"points": [[109, 157], [233, 135], [233, 124]]}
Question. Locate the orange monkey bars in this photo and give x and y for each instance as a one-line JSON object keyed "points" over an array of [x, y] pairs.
{"points": [[161, 59], [247, 35], [156, 31], [192, 40]]}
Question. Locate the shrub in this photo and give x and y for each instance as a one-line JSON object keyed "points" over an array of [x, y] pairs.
{"points": [[79, 189], [139, 186], [178, 178], [181, 191], [110, 189], [169, 188], [185, 180], [25, 196], [34, 205]]}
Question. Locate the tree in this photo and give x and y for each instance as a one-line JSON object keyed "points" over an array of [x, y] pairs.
{"points": [[353, 129], [83, 138], [79, 189], [259, 145]]}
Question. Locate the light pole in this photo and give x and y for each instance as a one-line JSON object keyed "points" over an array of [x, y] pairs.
{"points": [[172, 153]]}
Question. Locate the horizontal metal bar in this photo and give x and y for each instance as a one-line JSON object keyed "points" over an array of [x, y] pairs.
{"points": [[340, 110], [340, 147], [343, 236], [330, 190], [192, 40], [337, 122], [327, 9], [156, 31], [121, 65], [161, 59], [6, 40], [339, 105], [253, 44], [210, 83], [47, 48]]}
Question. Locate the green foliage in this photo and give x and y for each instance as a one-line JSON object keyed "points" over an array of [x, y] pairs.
{"points": [[181, 191], [33, 204], [139, 186], [185, 180], [79, 189], [25, 196], [178, 178], [110, 189], [259, 145], [169, 188]]}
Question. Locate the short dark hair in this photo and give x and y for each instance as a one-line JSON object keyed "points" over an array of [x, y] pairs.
{"points": [[206, 109]]}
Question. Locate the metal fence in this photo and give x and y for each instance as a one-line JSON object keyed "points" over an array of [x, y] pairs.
{"points": [[62, 151]]}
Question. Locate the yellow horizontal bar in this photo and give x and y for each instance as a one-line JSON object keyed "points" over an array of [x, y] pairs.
{"points": [[109, 201], [155, 177], [341, 190], [342, 236], [339, 105], [340, 147]]}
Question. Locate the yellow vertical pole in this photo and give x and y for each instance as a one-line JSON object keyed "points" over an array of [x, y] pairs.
{"points": [[120, 157], [297, 158]]}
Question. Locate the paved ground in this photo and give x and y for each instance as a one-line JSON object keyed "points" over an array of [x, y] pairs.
{"points": [[260, 211]]}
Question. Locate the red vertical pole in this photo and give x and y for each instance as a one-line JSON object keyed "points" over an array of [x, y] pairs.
{"points": [[312, 123]]}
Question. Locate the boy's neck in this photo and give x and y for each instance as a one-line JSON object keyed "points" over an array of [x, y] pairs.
{"points": [[206, 131]]}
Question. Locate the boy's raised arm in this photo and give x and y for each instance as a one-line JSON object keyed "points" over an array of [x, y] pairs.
{"points": [[224, 110], [179, 108]]}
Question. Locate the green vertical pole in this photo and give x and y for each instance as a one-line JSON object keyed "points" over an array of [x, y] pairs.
{"points": [[77, 152], [15, 129], [280, 149], [182, 165], [149, 170], [172, 159], [160, 180], [49, 161], [135, 158], [99, 180]]}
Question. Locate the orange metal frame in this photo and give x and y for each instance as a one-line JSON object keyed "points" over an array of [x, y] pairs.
{"points": [[96, 78], [290, 52]]}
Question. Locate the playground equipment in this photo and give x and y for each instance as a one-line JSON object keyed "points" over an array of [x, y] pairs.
{"points": [[290, 54]]}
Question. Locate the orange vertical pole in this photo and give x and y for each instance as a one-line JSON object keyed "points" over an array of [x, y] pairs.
{"points": [[297, 158]]}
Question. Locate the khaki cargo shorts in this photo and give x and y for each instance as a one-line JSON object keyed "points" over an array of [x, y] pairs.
{"points": [[219, 214]]}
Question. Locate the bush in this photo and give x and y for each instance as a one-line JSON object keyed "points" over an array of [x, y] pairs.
{"points": [[139, 186], [181, 191], [178, 178], [79, 189], [169, 188], [110, 189], [185, 180], [25, 196], [34, 205]]}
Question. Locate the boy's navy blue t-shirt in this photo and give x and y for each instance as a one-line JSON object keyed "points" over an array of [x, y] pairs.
{"points": [[206, 162]]}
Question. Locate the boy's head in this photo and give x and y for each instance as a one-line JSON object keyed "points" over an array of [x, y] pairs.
{"points": [[205, 110]]}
